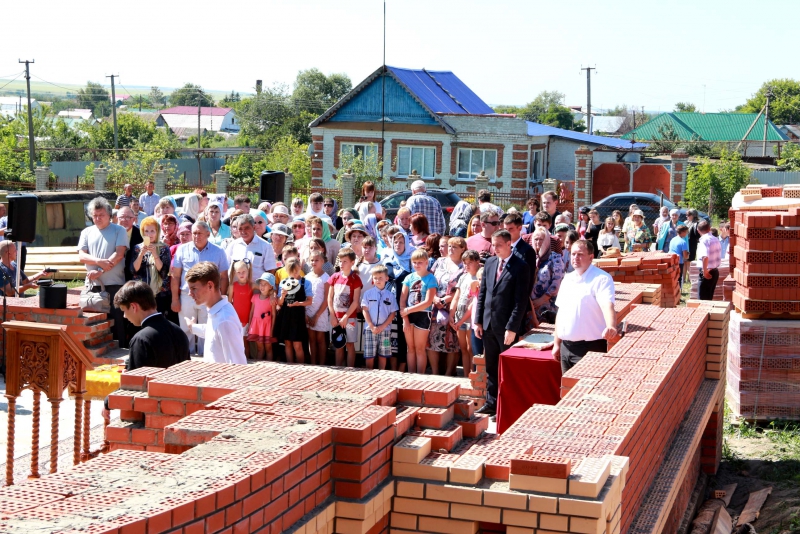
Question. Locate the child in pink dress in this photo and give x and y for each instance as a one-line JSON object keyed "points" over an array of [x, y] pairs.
{"points": [[262, 315]]}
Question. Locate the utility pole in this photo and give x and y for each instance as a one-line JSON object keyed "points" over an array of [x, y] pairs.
{"points": [[766, 122], [589, 97], [31, 144], [114, 109]]}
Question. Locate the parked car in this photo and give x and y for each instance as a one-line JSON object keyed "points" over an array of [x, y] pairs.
{"points": [[649, 203], [446, 197], [178, 199]]}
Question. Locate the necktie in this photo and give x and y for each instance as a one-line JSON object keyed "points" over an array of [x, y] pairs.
{"points": [[500, 270]]}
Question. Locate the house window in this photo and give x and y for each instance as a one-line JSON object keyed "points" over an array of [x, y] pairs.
{"points": [[412, 158], [55, 216], [537, 161], [472, 161], [361, 151]]}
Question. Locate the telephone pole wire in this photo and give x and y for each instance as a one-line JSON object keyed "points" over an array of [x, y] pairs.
{"points": [[589, 97], [31, 144], [114, 109]]}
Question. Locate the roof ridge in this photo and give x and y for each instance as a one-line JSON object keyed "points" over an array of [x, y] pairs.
{"points": [[688, 128], [445, 91]]}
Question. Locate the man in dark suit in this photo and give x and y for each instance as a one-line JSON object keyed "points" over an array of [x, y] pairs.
{"points": [[502, 301], [127, 219], [158, 343]]}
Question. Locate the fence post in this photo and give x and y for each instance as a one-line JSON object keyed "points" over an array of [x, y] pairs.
{"points": [[481, 182], [583, 177], [42, 177], [287, 188], [677, 177], [100, 178], [160, 181], [221, 177], [348, 183]]}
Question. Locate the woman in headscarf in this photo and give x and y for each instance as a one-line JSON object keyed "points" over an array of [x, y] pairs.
{"points": [[460, 218], [259, 222], [191, 208], [348, 216], [382, 241], [169, 229], [331, 207], [663, 216], [398, 262], [549, 273], [667, 230], [150, 264], [370, 223]]}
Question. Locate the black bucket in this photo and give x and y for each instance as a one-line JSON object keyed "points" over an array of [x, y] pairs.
{"points": [[52, 295]]}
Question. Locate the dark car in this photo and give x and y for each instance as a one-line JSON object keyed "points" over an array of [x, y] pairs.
{"points": [[446, 197], [649, 203]]}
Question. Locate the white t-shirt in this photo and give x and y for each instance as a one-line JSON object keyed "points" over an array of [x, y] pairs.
{"points": [[364, 272], [580, 317], [259, 252], [318, 297]]}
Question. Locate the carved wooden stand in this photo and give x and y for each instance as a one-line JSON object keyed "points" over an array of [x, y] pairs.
{"points": [[44, 359]]}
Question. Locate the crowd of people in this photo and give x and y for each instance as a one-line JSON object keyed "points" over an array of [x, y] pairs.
{"points": [[414, 293]]}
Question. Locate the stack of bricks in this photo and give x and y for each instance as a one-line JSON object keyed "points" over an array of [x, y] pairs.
{"points": [[269, 448], [717, 340], [725, 274], [766, 252], [763, 374], [91, 330], [647, 268]]}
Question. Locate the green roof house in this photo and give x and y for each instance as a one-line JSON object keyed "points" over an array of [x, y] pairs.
{"points": [[722, 127]]}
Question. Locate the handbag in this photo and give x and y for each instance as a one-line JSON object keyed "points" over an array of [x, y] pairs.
{"points": [[95, 302]]}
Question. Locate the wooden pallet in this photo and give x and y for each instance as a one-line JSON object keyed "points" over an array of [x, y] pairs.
{"points": [[768, 315]]}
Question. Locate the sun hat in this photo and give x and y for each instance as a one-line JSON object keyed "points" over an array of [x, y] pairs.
{"points": [[268, 277], [356, 228], [281, 229], [280, 209], [338, 337], [674, 211], [639, 213]]}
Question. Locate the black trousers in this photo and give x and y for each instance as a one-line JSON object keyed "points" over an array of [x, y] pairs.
{"points": [[707, 286], [573, 351], [492, 347], [118, 329]]}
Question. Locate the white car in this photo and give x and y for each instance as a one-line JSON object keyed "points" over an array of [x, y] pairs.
{"points": [[178, 200]]}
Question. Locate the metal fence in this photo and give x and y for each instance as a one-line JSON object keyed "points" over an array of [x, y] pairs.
{"points": [[775, 177]]}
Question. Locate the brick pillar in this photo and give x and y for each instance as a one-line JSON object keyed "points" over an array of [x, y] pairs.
{"points": [[550, 184], [160, 180], [287, 188], [316, 161], [413, 177], [42, 177], [481, 182], [583, 177], [222, 178], [348, 184], [677, 177], [100, 178]]}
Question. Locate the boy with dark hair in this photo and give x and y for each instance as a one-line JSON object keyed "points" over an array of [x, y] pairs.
{"points": [[241, 202], [344, 298]]}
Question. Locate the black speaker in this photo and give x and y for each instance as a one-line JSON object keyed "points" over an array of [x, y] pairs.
{"points": [[22, 217], [272, 186]]}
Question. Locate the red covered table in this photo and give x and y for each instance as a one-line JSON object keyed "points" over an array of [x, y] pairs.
{"points": [[526, 377]]}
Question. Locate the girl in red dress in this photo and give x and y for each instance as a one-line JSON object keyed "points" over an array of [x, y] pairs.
{"points": [[240, 291]]}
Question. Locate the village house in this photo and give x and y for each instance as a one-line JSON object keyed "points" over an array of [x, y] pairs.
{"points": [[11, 105], [431, 122], [212, 119]]}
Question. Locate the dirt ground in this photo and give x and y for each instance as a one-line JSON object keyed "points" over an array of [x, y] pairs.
{"points": [[759, 458]]}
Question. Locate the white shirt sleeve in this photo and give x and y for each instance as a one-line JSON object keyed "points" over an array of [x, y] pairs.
{"points": [[269, 258], [233, 345], [605, 290], [199, 329]]}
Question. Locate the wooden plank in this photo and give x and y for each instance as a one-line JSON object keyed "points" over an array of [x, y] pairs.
{"points": [[754, 503], [52, 250], [729, 491], [723, 523]]}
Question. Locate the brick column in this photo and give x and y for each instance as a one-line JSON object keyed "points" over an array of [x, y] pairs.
{"points": [[316, 161], [222, 178], [413, 177], [347, 182], [677, 177], [583, 177], [100, 178], [481, 182], [550, 184], [287, 188], [42, 177], [160, 180]]}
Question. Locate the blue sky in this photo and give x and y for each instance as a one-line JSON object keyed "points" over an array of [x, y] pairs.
{"points": [[647, 53]]}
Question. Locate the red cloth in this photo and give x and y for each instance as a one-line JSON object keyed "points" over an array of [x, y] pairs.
{"points": [[526, 377]]}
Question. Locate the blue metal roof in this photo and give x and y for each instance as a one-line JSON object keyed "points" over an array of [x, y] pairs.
{"points": [[535, 130], [441, 91]]}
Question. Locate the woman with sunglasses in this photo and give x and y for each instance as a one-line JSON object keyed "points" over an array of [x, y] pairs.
{"points": [[330, 206], [259, 223]]}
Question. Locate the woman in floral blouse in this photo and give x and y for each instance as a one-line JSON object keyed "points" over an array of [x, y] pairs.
{"points": [[549, 273], [637, 233]]}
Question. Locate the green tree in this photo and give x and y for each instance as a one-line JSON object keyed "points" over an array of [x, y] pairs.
{"points": [[231, 99], [784, 107], [790, 157], [95, 97], [156, 97], [314, 92], [511, 110], [685, 107], [12, 164], [263, 116], [133, 132], [190, 95], [286, 153], [710, 186], [561, 117], [363, 168], [63, 137]]}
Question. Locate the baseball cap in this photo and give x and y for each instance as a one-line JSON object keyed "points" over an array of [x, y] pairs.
{"points": [[281, 229], [268, 277], [562, 227], [585, 210], [338, 337]]}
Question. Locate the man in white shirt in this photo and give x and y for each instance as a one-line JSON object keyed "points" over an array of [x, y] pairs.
{"points": [[586, 318], [250, 246], [223, 331], [485, 203]]}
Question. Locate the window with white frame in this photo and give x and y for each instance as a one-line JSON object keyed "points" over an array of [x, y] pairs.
{"points": [[471, 161], [360, 151], [537, 165], [416, 158]]}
